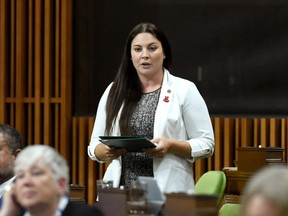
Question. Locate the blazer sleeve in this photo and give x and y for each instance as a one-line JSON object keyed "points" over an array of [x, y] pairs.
{"points": [[99, 124], [198, 124]]}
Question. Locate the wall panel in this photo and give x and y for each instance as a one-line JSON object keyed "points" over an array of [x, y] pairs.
{"points": [[35, 71]]}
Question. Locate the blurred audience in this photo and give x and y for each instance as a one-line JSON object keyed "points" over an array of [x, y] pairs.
{"points": [[266, 193], [41, 186], [10, 146]]}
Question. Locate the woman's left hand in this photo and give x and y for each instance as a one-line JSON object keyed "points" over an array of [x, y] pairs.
{"points": [[162, 147], [165, 146]]}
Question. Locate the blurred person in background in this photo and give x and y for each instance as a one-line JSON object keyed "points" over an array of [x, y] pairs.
{"points": [[266, 193], [10, 146], [41, 186]]}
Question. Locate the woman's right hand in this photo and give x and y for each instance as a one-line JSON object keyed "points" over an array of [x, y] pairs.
{"points": [[10, 206], [105, 153], [112, 153]]}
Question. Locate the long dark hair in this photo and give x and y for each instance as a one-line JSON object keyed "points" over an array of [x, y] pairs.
{"points": [[126, 89]]}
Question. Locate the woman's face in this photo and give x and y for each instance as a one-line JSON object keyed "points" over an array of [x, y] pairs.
{"points": [[37, 188], [147, 55]]}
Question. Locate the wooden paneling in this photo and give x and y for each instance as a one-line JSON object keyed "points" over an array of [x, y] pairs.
{"points": [[36, 70], [230, 133], [84, 170], [35, 94], [3, 58]]}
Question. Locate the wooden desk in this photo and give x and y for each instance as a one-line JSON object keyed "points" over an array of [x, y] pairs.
{"points": [[187, 205], [230, 198], [113, 202], [77, 193], [236, 181], [261, 157]]}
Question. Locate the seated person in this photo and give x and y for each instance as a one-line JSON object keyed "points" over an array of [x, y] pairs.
{"points": [[10, 146], [266, 193], [41, 186]]}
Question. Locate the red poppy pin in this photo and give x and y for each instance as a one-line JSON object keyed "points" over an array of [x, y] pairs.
{"points": [[166, 99]]}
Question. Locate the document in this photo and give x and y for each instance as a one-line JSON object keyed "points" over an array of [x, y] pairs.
{"points": [[130, 143]]}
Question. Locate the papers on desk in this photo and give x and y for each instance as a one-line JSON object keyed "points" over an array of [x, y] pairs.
{"points": [[230, 168], [130, 143]]}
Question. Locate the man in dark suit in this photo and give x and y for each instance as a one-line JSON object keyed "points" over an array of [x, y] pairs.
{"points": [[41, 187], [74, 209], [10, 146]]}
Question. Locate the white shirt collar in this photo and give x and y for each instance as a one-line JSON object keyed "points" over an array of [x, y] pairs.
{"points": [[2, 186]]}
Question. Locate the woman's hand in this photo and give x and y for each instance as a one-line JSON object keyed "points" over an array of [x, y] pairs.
{"points": [[105, 153], [112, 153], [10, 206], [165, 146], [162, 147]]}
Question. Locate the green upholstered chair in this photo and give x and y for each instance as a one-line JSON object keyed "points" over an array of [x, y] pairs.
{"points": [[229, 209], [212, 183]]}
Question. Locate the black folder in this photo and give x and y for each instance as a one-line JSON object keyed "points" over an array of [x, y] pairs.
{"points": [[130, 143]]}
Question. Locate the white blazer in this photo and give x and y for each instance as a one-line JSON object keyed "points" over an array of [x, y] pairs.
{"points": [[181, 115]]}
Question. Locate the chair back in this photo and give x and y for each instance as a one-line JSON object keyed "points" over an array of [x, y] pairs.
{"points": [[229, 209], [212, 183]]}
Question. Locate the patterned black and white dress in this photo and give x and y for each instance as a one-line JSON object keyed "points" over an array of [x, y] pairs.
{"points": [[142, 124]]}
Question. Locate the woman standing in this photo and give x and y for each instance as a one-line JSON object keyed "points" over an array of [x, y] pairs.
{"points": [[146, 100]]}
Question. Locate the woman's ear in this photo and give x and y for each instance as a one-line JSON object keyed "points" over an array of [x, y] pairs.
{"points": [[62, 184]]}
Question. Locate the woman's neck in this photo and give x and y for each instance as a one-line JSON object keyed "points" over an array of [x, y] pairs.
{"points": [[45, 210], [151, 84]]}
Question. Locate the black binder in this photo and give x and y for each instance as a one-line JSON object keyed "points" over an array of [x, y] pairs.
{"points": [[130, 143]]}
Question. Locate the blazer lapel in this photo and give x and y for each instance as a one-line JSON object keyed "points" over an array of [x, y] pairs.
{"points": [[165, 101]]}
